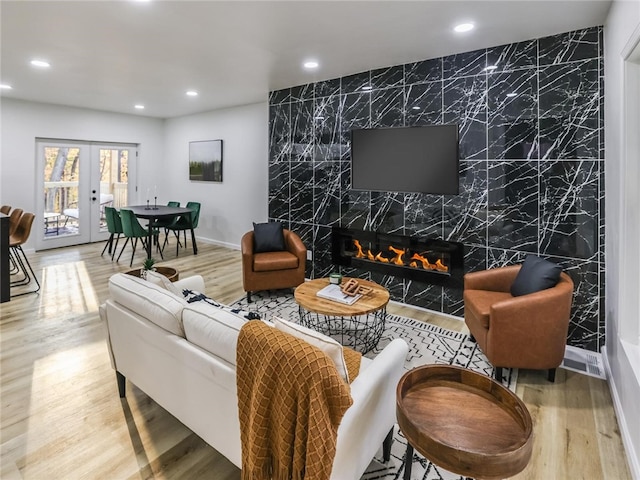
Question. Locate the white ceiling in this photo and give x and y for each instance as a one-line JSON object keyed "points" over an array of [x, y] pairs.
{"points": [[110, 55]]}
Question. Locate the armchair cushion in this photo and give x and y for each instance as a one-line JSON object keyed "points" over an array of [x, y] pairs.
{"points": [[271, 261], [536, 274], [268, 237]]}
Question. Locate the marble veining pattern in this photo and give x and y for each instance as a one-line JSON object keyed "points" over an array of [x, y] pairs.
{"points": [[531, 164]]}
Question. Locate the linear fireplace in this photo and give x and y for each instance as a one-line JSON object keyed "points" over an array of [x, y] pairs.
{"points": [[427, 260]]}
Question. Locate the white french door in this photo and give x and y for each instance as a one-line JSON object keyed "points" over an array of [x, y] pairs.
{"points": [[77, 181]]}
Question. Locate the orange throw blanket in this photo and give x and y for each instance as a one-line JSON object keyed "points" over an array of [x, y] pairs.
{"points": [[291, 401]]}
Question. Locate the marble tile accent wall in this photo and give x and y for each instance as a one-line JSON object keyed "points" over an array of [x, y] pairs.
{"points": [[531, 167]]}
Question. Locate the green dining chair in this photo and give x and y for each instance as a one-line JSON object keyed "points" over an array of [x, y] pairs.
{"points": [[165, 223], [114, 225], [184, 223], [133, 230]]}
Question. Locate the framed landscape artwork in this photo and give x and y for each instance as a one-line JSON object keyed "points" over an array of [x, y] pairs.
{"points": [[205, 161]]}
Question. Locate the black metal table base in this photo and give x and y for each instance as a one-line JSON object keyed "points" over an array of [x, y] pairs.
{"points": [[361, 332]]}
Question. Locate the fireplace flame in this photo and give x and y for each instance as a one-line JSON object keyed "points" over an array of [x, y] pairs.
{"points": [[441, 267], [380, 258], [416, 259], [399, 253]]}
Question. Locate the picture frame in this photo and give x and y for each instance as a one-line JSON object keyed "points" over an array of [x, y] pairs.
{"points": [[205, 161]]}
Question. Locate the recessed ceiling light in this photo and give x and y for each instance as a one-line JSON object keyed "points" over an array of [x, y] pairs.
{"points": [[5, 86], [139, 107], [463, 27], [513, 94], [490, 68], [192, 93], [40, 63], [367, 87], [310, 64]]}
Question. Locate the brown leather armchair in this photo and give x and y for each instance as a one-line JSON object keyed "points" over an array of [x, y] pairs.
{"points": [[528, 331], [273, 270]]}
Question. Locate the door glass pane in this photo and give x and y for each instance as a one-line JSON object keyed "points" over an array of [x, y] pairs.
{"points": [[61, 207], [113, 180]]}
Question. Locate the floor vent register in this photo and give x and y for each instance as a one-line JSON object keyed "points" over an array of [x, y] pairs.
{"points": [[583, 361]]}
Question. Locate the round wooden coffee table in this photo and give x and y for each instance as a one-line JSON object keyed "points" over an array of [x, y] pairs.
{"points": [[358, 326], [464, 422]]}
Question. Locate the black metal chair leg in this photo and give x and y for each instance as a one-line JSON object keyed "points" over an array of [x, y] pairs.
{"points": [[386, 446], [408, 462], [157, 240], [498, 374], [135, 244], [551, 376], [19, 252], [193, 241], [108, 244], [123, 247], [177, 242], [115, 248]]}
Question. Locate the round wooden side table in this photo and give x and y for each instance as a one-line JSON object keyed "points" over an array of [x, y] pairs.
{"points": [[169, 272], [464, 422], [358, 326]]}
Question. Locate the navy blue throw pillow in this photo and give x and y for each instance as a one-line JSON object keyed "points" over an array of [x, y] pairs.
{"points": [[268, 237], [535, 274]]}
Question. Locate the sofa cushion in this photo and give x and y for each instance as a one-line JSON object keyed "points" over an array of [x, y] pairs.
{"points": [[149, 301], [162, 281], [268, 237], [213, 329], [270, 261], [327, 344], [535, 274]]}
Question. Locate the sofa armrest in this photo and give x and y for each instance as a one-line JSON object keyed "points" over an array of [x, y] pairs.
{"points": [[195, 282], [294, 245], [373, 413], [102, 310], [493, 280]]}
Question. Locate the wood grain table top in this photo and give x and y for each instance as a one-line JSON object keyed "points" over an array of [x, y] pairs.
{"points": [[305, 296], [464, 421]]}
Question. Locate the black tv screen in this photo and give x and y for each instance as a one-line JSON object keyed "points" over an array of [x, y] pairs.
{"points": [[407, 159]]}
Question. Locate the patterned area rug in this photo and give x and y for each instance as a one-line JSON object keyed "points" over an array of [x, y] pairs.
{"points": [[427, 344]]}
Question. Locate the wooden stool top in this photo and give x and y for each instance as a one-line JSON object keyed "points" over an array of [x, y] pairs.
{"points": [[464, 422]]}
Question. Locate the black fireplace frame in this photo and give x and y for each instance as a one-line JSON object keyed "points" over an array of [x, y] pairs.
{"points": [[455, 250]]}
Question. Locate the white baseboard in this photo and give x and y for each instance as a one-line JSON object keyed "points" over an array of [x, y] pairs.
{"points": [[422, 309], [211, 241]]}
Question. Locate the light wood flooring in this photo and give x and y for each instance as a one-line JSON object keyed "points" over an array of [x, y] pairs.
{"points": [[62, 418]]}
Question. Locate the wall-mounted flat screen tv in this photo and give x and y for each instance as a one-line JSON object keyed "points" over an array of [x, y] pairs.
{"points": [[406, 159]]}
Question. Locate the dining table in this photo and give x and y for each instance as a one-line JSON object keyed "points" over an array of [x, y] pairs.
{"points": [[155, 213]]}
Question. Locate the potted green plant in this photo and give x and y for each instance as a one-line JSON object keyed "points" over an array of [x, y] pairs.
{"points": [[147, 265]]}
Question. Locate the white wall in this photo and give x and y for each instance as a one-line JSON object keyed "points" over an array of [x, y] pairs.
{"points": [[622, 355], [228, 208], [22, 122]]}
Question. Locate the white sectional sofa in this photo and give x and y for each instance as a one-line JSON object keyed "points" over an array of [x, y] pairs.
{"points": [[183, 356]]}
